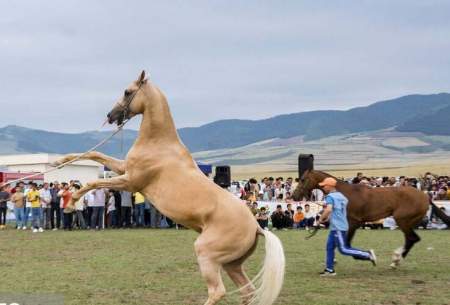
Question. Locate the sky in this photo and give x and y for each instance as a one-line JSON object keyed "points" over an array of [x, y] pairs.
{"points": [[64, 63]]}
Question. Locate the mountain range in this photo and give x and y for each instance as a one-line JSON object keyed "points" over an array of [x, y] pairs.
{"points": [[424, 114]]}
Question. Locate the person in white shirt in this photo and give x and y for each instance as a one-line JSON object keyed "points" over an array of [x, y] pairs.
{"points": [[46, 208], [98, 208], [310, 217], [111, 210], [89, 201], [317, 195]]}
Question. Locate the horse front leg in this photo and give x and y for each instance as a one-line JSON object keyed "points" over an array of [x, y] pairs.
{"points": [[116, 165], [120, 183]]}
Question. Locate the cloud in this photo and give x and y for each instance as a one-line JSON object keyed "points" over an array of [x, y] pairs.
{"points": [[65, 63]]}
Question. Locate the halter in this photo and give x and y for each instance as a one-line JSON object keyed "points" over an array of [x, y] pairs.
{"points": [[126, 108], [304, 183]]}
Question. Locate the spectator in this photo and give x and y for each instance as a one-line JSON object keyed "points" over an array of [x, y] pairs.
{"points": [[317, 195], [27, 189], [139, 208], [89, 201], [288, 185], [298, 218], [36, 211], [111, 210], [251, 186], [289, 216], [442, 194], [46, 199], [79, 208], [263, 218], [155, 216], [66, 196], [126, 208], [18, 199], [358, 178], [55, 209], [437, 223], [98, 208], [278, 218], [4, 197], [254, 208], [309, 217], [118, 213]]}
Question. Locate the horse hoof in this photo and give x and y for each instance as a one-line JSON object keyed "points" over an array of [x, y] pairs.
{"points": [[393, 266]]}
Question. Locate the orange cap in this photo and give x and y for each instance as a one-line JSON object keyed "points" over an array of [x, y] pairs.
{"points": [[328, 182]]}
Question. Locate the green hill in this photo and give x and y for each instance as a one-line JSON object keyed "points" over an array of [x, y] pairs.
{"points": [[413, 113]]}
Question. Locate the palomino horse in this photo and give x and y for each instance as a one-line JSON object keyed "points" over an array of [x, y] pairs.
{"points": [[159, 166], [407, 205]]}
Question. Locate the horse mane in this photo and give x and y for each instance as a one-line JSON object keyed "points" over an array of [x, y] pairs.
{"points": [[328, 175]]}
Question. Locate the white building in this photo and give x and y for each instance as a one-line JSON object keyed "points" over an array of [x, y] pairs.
{"points": [[84, 170]]}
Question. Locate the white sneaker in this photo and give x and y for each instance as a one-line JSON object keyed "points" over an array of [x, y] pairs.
{"points": [[35, 230], [55, 229], [41, 230], [373, 257], [24, 228], [19, 228]]}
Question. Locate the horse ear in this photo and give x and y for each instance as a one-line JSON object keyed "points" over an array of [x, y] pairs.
{"points": [[142, 78]]}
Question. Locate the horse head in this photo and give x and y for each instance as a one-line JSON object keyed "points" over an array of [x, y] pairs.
{"points": [[304, 187], [131, 103]]}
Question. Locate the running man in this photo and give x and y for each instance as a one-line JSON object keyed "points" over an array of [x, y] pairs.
{"points": [[336, 212]]}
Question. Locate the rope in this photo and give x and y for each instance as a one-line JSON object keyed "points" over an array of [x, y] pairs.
{"points": [[119, 128]]}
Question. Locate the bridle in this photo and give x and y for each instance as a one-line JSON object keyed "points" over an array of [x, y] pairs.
{"points": [[126, 108], [305, 184]]}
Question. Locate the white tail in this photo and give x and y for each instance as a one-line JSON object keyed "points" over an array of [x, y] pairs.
{"points": [[272, 273]]}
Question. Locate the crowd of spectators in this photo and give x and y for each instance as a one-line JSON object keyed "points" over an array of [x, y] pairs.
{"points": [[45, 207], [278, 190]]}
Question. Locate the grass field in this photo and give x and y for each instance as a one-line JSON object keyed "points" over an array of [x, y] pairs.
{"points": [[158, 267]]}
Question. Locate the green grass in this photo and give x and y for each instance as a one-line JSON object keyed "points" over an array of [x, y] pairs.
{"points": [[159, 267]]}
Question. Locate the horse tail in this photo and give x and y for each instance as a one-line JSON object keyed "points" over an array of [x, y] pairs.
{"points": [[439, 213], [272, 272]]}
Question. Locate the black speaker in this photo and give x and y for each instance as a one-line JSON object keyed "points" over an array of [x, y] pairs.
{"points": [[305, 162], [223, 176]]}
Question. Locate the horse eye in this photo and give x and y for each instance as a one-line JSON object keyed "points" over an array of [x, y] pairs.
{"points": [[127, 92]]}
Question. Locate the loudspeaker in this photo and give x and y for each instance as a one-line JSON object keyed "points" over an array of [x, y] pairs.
{"points": [[305, 163], [223, 176]]}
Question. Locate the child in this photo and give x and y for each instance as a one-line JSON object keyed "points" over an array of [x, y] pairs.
{"points": [[298, 218]]}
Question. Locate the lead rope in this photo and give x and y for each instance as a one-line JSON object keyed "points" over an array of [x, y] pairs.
{"points": [[119, 128]]}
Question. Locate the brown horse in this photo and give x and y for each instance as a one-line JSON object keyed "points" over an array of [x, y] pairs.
{"points": [[160, 167], [407, 205]]}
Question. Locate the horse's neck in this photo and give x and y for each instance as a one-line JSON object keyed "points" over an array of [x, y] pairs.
{"points": [[343, 187], [157, 123]]}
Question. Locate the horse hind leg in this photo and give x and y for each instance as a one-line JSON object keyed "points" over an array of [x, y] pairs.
{"points": [[210, 270], [410, 241], [411, 238], [238, 276]]}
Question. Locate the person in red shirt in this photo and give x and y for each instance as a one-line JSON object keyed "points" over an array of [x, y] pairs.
{"points": [[68, 210]]}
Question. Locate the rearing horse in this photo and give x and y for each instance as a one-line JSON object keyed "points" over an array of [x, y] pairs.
{"points": [[407, 205], [159, 166]]}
